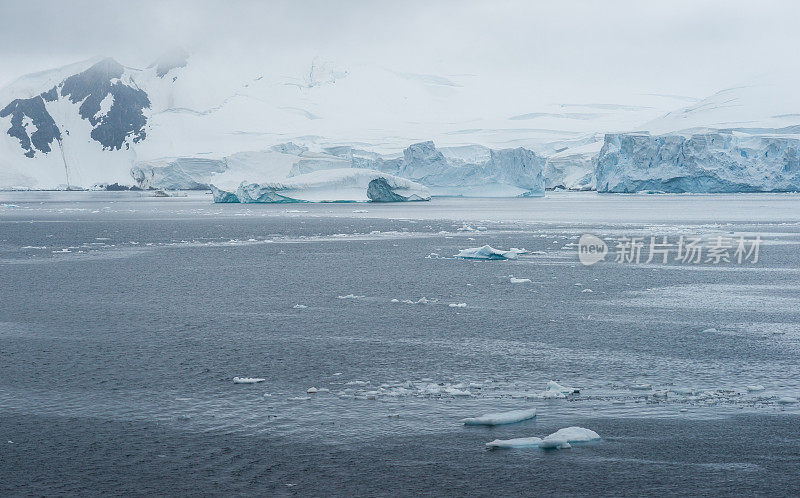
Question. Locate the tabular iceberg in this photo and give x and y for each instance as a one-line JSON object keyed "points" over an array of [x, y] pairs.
{"points": [[333, 185]]}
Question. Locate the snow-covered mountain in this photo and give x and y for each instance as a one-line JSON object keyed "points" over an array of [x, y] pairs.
{"points": [[99, 122], [79, 125], [183, 123]]}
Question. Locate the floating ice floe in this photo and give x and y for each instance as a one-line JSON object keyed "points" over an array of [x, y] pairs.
{"points": [[350, 296], [561, 439], [754, 388], [247, 380], [555, 390], [641, 387], [458, 305], [312, 390], [422, 300], [300, 398], [501, 418], [515, 280], [488, 252], [787, 400], [299, 306]]}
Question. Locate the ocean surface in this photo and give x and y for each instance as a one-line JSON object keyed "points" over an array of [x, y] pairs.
{"points": [[124, 319]]}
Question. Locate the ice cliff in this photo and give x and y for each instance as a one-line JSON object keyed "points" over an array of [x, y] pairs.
{"points": [[703, 162]]}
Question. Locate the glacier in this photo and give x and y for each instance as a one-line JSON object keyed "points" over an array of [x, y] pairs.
{"points": [[498, 173], [335, 185], [182, 173], [710, 162]]}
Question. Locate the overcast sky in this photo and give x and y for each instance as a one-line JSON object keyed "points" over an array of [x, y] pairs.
{"points": [[682, 47]]}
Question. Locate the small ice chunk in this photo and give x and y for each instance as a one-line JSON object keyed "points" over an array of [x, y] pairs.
{"points": [[486, 252], [556, 390], [350, 296], [515, 280], [641, 387], [710, 331], [300, 398], [312, 390], [758, 387], [299, 306], [452, 391], [337, 374], [587, 290], [357, 383], [520, 442], [561, 439], [458, 305], [247, 380], [787, 400], [422, 300], [501, 418]]}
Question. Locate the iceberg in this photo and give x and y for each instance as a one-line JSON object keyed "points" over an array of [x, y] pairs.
{"points": [[561, 439], [487, 252], [501, 418], [708, 162], [333, 185]]}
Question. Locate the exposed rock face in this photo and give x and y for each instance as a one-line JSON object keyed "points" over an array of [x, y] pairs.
{"points": [[100, 86], [31, 124]]}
